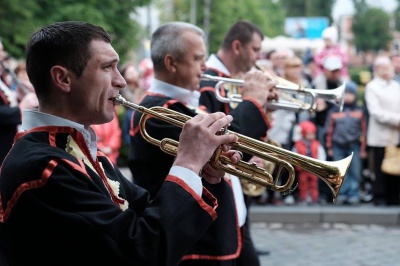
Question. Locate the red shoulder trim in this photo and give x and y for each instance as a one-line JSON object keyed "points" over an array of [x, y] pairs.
{"points": [[134, 130], [219, 72], [169, 103], [207, 88], [224, 257], [51, 129], [46, 174], [202, 203]]}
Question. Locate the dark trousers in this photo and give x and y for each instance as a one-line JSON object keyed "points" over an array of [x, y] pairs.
{"points": [[385, 188], [248, 255]]}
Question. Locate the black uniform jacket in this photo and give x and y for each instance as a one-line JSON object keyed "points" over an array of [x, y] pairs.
{"points": [[250, 118], [207, 90], [222, 242], [10, 118], [58, 210]]}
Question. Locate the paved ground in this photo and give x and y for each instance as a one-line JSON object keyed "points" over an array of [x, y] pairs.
{"points": [[327, 244], [327, 235]]}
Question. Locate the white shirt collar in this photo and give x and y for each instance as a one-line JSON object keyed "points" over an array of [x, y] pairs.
{"points": [[215, 63], [34, 118], [183, 95]]}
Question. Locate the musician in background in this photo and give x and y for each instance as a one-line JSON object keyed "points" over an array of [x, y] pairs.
{"points": [[10, 107], [237, 55], [21, 83], [178, 52], [56, 186]]}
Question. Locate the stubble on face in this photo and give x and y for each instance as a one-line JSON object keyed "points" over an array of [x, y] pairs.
{"points": [[96, 84], [250, 53]]}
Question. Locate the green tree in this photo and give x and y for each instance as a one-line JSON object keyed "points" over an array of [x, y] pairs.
{"points": [[21, 17], [267, 14], [371, 28], [396, 17], [308, 8], [16, 24]]}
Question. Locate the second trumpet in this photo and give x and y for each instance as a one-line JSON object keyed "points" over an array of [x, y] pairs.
{"points": [[334, 96]]}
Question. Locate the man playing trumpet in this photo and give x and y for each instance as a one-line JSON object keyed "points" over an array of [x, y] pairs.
{"points": [[178, 52], [237, 55], [57, 187]]}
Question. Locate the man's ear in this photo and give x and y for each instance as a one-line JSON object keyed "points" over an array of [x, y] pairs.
{"points": [[61, 78], [236, 47], [170, 63]]}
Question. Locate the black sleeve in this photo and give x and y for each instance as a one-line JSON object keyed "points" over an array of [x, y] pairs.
{"points": [[148, 163], [250, 120], [77, 222], [10, 115]]}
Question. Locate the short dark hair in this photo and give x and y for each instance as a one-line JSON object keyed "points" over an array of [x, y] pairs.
{"points": [[61, 43], [242, 31]]}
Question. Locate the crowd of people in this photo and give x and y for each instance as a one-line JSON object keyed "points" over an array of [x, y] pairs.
{"points": [[61, 138], [366, 125]]}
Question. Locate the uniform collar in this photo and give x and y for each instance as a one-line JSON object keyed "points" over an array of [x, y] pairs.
{"points": [[34, 118], [181, 94], [215, 62]]}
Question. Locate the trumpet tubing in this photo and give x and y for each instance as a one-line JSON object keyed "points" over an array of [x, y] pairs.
{"points": [[332, 173], [334, 96], [251, 189]]}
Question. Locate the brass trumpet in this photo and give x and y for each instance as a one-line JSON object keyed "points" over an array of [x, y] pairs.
{"points": [[332, 173], [334, 96]]}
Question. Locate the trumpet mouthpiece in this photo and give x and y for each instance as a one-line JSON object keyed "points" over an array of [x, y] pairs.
{"points": [[119, 100]]}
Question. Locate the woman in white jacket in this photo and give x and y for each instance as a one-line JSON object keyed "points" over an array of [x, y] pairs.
{"points": [[382, 96]]}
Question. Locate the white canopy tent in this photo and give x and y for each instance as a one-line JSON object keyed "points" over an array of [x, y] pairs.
{"points": [[297, 45]]}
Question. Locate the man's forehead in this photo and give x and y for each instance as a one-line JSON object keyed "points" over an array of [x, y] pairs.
{"points": [[103, 50]]}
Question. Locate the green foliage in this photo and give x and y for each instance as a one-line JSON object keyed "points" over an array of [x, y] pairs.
{"points": [[356, 72], [371, 29], [267, 14], [22, 17], [396, 17], [308, 8], [16, 24]]}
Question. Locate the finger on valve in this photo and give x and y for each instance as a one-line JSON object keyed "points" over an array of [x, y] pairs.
{"points": [[211, 174], [198, 141]]}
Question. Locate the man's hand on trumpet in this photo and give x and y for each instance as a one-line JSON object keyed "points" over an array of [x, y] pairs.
{"points": [[198, 141], [213, 175], [259, 86]]}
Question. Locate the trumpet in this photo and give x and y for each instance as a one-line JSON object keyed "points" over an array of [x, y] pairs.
{"points": [[334, 96], [254, 190], [332, 173]]}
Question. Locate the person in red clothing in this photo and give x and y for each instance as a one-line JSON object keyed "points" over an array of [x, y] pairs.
{"points": [[109, 138], [309, 146]]}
